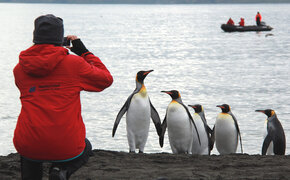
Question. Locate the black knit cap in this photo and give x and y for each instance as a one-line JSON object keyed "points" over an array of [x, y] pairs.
{"points": [[48, 29]]}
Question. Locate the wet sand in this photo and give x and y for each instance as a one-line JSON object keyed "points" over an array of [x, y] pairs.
{"points": [[108, 165]]}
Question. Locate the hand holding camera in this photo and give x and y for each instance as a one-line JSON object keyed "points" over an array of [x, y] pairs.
{"points": [[78, 47]]}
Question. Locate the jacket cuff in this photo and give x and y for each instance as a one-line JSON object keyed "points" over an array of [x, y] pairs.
{"points": [[86, 53]]}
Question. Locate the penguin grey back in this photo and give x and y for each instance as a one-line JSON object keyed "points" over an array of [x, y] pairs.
{"points": [[275, 133]]}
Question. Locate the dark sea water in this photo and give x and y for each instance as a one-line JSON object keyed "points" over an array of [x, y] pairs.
{"points": [[188, 52]]}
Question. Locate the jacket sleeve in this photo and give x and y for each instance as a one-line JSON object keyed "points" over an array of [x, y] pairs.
{"points": [[94, 76]]}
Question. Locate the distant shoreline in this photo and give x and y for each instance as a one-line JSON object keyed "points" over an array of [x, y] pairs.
{"points": [[111, 165], [147, 3]]}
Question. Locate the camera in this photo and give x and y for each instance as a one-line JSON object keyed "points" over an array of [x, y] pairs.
{"points": [[66, 42]]}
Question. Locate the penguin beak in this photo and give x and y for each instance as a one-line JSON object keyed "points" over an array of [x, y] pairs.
{"points": [[147, 72], [140, 77], [193, 106], [262, 111], [167, 92], [220, 106]]}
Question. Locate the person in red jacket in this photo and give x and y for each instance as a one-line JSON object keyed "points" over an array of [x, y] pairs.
{"points": [[230, 22], [258, 19], [242, 22], [50, 127]]}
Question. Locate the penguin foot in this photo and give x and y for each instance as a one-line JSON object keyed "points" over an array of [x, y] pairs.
{"points": [[132, 152], [141, 152]]}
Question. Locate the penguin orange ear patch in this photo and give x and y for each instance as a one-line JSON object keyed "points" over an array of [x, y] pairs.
{"points": [[272, 113]]}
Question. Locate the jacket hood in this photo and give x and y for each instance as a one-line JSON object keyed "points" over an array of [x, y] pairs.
{"points": [[40, 60]]}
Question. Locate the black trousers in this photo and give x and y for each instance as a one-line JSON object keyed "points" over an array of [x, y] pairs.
{"points": [[32, 170], [258, 22]]}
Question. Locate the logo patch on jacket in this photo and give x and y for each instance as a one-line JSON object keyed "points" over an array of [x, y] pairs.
{"points": [[32, 89]]}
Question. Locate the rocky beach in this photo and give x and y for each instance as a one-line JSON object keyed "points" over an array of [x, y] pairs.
{"points": [[110, 165]]}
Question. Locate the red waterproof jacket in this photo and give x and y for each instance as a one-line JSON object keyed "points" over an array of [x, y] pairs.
{"points": [[231, 22], [258, 16], [242, 22], [50, 125]]}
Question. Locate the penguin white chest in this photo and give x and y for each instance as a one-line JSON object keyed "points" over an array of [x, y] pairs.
{"points": [[138, 114], [177, 118], [138, 121], [270, 150], [180, 132], [226, 134]]}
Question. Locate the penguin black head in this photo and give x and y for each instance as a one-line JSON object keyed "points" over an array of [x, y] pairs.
{"points": [[268, 112], [197, 108], [225, 108], [141, 75], [173, 93]]}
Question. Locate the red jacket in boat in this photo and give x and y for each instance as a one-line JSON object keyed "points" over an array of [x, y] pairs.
{"points": [[242, 22], [230, 22], [258, 16], [50, 125]]}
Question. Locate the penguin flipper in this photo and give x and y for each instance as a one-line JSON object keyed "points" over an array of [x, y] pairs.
{"points": [[238, 129], [163, 127], [209, 135], [190, 117], [266, 144], [208, 132], [207, 128], [122, 111], [212, 138], [156, 119], [201, 114]]}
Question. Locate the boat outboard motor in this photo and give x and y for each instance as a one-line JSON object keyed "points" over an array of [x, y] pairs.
{"points": [[263, 23]]}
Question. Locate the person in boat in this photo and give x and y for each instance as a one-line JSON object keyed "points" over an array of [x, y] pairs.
{"points": [[258, 19], [50, 127], [231, 22], [242, 22]]}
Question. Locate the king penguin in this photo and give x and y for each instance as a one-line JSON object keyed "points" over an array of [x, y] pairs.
{"points": [[139, 110], [274, 136], [180, 125], [226, 131], [204, 131]]}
